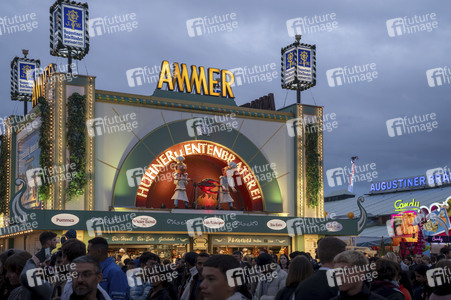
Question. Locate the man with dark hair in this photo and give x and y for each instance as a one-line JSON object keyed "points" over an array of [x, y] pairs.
{"points": [[215, 285], [88, 276], [147, 260], [114, 281], [190, 271], [446, 251], [421, 288], [272, 283], [197, 279], [48, 243], [386, 284], [239, 257], [316, 287]]}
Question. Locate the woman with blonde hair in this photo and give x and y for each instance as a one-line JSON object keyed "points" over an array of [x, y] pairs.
{"points": [[299, 270]]}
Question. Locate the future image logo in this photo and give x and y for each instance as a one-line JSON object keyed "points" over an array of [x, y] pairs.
{"points": [[438, 276], [211, 25], [341, 176], [438, 76], [410, 125], [114, 24], [114, 124], [351, 74], [410, 25], [346, 275], [307, 25]]}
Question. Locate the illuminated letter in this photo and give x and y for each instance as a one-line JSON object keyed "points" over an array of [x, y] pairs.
{"points": [[165, 76], [212, 82], [181, 79], [226, 88], [198, 80]]}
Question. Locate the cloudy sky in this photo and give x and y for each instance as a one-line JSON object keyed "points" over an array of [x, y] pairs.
{"points": [[393, 45]]}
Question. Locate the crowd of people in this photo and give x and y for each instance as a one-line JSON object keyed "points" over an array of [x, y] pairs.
{"points": [[80, 271]]}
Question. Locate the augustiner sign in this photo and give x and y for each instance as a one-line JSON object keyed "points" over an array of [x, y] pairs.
{"points": [[197, 81]]}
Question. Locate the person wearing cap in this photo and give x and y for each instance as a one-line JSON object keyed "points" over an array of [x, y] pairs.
{"points": [[70, 234], [124, 255]]}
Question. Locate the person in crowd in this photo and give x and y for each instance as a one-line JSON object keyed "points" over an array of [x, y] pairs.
{"points": [[239, 257], [284, 262], [421, 288], [162, 289], [352, 267], [263, 251], [191, 271], [386, 284], [197, 279], [446, 251], [416, 261], [48, 243], [269, 287], [56, 259], [89, 276], [391, 256], [14, 266], [114, 281], [300, 269], [405, 284], [440, 257], [427, 261], [294, 254], [70, 234], [130, 265], [316, 286], [147, 262], [124, 255], [166, 261], [442, 292], [5, 286], [71, 250], [275, 258], [215, 285]]}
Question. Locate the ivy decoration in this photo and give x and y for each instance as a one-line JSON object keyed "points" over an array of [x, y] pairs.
{"points": [[3, 174], [312, 161], [45, 146], [76, 143]]}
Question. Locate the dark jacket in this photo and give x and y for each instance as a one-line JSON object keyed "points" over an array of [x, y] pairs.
{"points": [[41, 289], [114, 281], [99, 296], [286, 293], [163, 294], [365, 294], [315, 287], [387, 289]]}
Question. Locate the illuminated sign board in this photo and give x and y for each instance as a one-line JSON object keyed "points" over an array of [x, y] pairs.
{"points": [[23, 73], [69, 29], [298, 66], [401, 225], [410, 183], [178, 78], [403, 206], [207, 148]]}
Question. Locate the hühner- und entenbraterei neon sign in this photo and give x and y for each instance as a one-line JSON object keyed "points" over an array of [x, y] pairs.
{"points": [[412, 182], [218, 84]]}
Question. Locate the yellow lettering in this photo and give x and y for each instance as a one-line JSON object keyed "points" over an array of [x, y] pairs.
{"points": [[163, 160], [226, 88], [231, 158], [253, 192], [181, 79], [165, 76], [142, 192], [251, 184], [210, 149], [146, 182], [212, 81], [217, 151], [188, 149], [198, 80], [247, 177], [225, 154]]}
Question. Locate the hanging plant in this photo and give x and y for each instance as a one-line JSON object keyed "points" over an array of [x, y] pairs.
{"points": [[45, 146], [76, 143], [3, 174], [313, 183]]}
